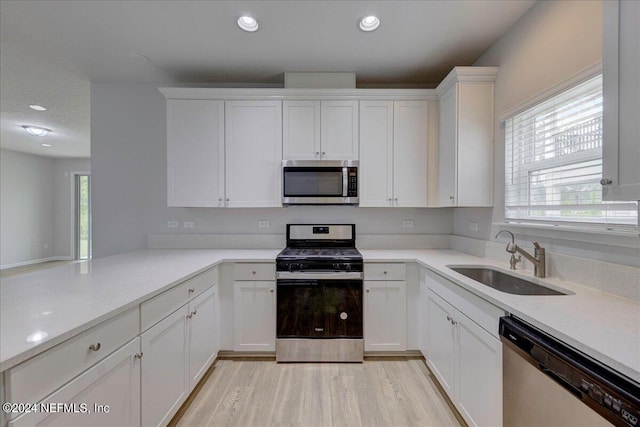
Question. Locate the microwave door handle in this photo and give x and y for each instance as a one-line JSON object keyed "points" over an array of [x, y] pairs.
{"points": [[345, 181]]}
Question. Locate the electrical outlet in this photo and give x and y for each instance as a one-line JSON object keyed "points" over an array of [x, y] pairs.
{"points": [[263, 223], [173, 224], [188, 224], [407, 223], [473, 226]]}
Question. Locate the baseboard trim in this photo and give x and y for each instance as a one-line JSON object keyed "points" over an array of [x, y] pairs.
{"points": [[230, 354]]}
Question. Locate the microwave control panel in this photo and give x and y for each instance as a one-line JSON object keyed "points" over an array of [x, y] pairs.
{"points": [[352, 188]]}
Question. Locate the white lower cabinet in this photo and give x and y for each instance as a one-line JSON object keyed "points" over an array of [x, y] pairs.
{"points": [[107, 394], [203, 336], [165, 380], [385, 307], [385, 315], [254, 320], [176, 354], [423, 310], [464, 357]]}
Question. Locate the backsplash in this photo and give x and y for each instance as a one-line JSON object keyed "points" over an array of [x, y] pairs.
{"points": [[608, 277]]}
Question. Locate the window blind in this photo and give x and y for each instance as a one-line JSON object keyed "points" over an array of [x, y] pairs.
{"points": [[553, 163]]}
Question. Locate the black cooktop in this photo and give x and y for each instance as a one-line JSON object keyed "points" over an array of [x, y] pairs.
{"points": [[351, 254]]}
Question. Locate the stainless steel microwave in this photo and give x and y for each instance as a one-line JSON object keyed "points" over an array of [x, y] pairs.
{"points": [[319, 182]]}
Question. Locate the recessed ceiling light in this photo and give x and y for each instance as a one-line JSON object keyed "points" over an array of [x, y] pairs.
{"points": [[46, 145], [369, 23], [36, 130], [37, 107], [248, 23]]}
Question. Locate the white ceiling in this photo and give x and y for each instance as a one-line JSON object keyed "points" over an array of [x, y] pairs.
{"points": [[52, 50]]}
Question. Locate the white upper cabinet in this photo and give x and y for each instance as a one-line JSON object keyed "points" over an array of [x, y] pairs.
{"points": [[301, 130], [621, 145], [320, 130], [393, 153], [195, 153], [253, 144], [465, 141]]}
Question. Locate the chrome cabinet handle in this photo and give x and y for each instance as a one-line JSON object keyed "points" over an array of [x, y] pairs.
{"points": [[138, 355], [368, 290], [271, 290], [384, 272], [606, 181], [189, 316], [95, 347], [323, 153], [253, 272], [191, 290], [451, 197], [194, 312], [449, 318]]}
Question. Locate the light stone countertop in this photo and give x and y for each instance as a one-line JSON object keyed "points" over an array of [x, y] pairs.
{"points": [[604, 326], [67, 300]]}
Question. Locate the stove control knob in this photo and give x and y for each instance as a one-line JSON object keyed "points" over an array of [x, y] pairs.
{"points": [[347, 267], [336, 266], [293, 266]]}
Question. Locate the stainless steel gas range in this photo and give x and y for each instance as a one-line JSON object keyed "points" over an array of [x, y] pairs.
{"points": [[319, 295]]}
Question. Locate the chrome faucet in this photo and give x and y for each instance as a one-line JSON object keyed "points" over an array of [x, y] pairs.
{"points": [[538, 259]]}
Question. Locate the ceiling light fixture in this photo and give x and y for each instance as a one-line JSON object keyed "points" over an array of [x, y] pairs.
{"points": [[37, 107], [36, 130], [248, 23], [369, 23]]}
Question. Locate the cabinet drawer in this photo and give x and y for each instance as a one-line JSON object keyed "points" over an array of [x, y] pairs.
{"points": [[160, 306], [37, 377], [254, 271], [395, 271]]}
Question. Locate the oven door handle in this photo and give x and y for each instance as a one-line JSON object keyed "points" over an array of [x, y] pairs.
{"points": [[330, 275]]}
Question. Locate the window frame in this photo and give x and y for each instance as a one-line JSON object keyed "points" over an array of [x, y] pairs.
{"points": [[590, 227]]}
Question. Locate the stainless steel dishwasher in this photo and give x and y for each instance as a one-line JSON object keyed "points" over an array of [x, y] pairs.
{"points": [[548, 383]]}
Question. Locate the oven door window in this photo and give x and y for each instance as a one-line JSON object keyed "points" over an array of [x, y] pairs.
{"points": [[319, 309], [312, 182]]}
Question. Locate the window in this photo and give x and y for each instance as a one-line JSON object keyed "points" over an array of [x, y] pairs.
{"points": [[553, 163]]}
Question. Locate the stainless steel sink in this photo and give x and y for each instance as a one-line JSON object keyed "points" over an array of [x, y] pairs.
{"points": [[505, 282]]}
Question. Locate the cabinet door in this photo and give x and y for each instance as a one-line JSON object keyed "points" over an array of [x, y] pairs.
{"points": [[376, 153], [202, 334], [385, 316], [441, 337], [474, 151], [621, 62], [424, 315], [253, 153], [301, 130], [165, 379], [339, 134], [110, 389], [254, 316], [479, 387], [410, 153], [195, 153], [447, 141]]}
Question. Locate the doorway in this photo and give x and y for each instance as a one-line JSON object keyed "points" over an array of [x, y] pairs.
{"points": [[83, 216]]}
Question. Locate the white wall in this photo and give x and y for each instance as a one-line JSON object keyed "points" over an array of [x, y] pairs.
{"points": [[35, 207], [128, 154], [552, 42], [26, 207]]}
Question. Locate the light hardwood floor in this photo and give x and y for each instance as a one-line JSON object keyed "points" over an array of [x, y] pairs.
{"points": [[257, 392]]}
